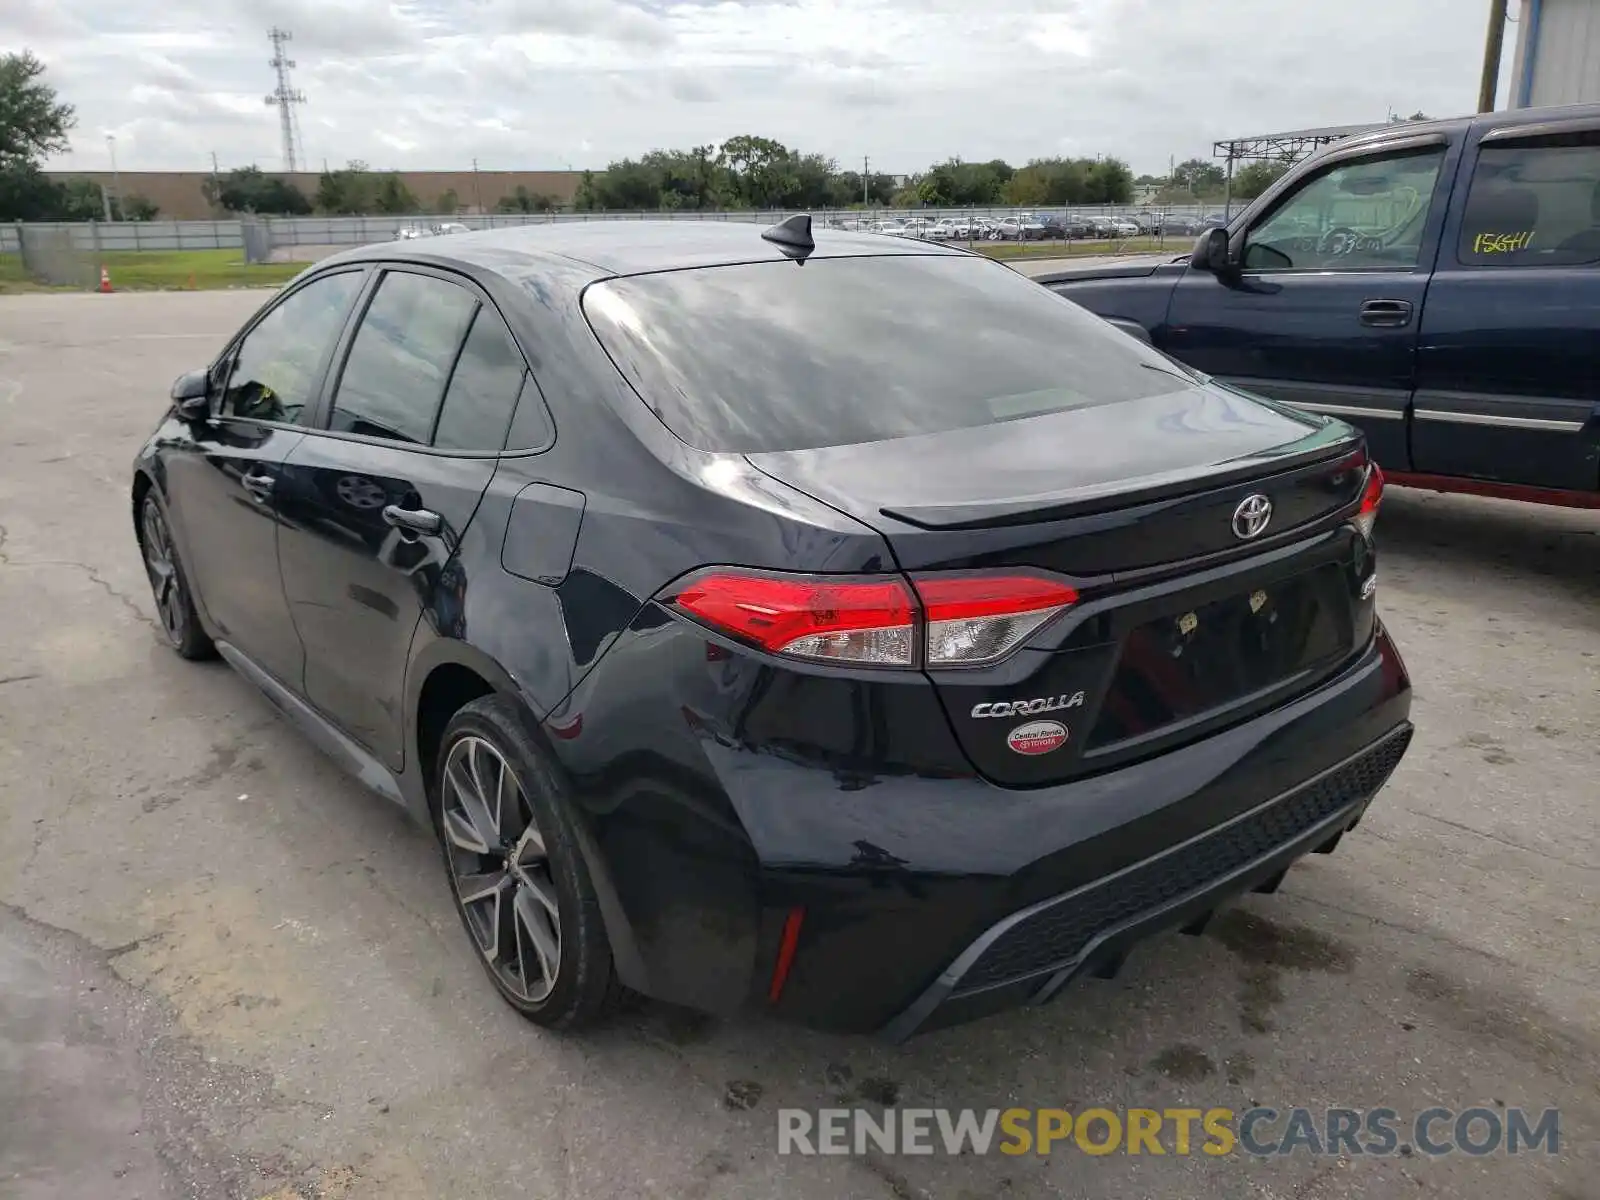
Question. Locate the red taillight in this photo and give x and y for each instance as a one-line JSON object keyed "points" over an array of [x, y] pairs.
{"points": [[1371, 497], [976, 619], [962, 620], [846, 620]]}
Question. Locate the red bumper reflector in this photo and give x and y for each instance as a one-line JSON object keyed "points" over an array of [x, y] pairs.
{"points": [[786, 949]]}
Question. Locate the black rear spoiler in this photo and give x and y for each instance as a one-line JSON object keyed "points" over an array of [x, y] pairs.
{"points": [[1081, 502]]}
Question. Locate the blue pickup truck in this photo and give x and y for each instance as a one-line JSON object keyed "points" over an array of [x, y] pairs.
{"points": [[1436, 284]]}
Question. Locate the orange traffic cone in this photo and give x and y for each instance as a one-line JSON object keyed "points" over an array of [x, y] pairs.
{"points": [[105, 280]]}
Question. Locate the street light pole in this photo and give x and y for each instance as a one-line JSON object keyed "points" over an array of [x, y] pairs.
{"points": [[1492, 46], [116, 180]]}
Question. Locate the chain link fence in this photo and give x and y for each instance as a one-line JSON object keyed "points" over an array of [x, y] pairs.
{"points": [[70, 254]]}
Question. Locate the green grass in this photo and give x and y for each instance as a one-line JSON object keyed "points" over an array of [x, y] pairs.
{"points": [[1079, 249], [152, 270]]}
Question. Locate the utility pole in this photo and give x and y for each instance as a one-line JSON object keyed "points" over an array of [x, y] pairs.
{"points": [[216, 184], [865, 162], [477, 188], [1492, 46], [116, 180], [284, 96]]}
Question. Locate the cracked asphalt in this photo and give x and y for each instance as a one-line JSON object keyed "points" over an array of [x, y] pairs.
{"points": [[226, 972]]}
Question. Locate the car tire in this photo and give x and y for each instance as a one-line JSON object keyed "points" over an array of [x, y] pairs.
{"points": [[517, 876], [169, 583]]}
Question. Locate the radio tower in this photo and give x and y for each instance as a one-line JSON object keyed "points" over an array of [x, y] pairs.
{"points": [[285, 97]]}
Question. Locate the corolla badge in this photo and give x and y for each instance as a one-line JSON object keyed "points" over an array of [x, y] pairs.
{"points": [[1027, 708], [1037, 737], [1250, 519]]}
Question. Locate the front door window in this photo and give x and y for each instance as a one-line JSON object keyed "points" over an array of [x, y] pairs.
{"points": [[1367, 213]]}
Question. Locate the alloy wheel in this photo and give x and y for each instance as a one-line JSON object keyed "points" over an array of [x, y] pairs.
{"points": [[500, 869], [161, 565]]}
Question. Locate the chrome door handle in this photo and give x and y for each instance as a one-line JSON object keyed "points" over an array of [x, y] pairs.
{"points": [[259, 486], [412, 520]]}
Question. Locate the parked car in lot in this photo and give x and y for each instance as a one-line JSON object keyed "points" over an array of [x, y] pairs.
{"points": [[717, 683], [407, 233], [1435, 284], [1017, 229], [1114, 227]]}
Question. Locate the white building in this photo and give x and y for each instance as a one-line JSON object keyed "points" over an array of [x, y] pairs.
{"points": [[1558, 53]]}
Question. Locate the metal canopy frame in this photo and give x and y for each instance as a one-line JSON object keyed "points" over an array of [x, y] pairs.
{"points": [[1288, 148]]}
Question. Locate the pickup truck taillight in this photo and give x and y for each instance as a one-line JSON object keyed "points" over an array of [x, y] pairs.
{"points": [[943, 621]]}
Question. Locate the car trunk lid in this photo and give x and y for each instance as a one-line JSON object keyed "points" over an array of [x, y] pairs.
{"points": [[1183, 624], [1088, 491]]}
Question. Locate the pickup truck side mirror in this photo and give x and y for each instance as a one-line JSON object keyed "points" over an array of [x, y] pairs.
{"points": [[1211, 252], [191, 395]]}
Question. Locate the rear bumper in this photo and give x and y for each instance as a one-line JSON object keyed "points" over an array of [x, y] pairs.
{"points": [[1030, 955], [960, 899]]}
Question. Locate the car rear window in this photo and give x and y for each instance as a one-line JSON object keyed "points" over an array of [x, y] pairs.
{"points": [[778, 356]]}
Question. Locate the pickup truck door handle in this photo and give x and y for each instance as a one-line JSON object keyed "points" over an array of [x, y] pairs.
{"points": [[259, 486], [412, 520], [1388, 314]]}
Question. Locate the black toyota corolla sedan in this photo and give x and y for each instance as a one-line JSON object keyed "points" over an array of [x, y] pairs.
{"points": [[748, 640]]}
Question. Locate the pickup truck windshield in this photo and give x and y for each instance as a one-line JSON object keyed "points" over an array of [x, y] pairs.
{"points": [[1366, 213]]}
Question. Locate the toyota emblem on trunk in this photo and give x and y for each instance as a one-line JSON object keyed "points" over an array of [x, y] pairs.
{"points": [[1251, 517]]}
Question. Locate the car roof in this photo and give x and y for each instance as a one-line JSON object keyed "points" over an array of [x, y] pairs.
{"points": [[624, 247], [1505, 119]]}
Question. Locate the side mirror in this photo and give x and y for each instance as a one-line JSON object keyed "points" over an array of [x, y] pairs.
{"points": [[191, 395], [1211, 252]]}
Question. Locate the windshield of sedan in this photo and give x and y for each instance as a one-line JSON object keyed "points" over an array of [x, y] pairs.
{"points": [[778, 356]]}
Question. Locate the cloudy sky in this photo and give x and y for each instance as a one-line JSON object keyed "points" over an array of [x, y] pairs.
{"points": [[551, 83]]}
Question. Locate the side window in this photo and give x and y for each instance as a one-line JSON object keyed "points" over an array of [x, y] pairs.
{"points": [[531, 428], [1368, 213], [395, 374], [1534, 204], [483, 390], [276, 365]]}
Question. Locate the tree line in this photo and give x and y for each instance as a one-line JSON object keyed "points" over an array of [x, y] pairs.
{"points": [[745, 172], [353, 190], [749, 171]]}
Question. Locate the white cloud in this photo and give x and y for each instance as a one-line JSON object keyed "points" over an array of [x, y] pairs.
{"points": [[1057, 37], [544, 83]]}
